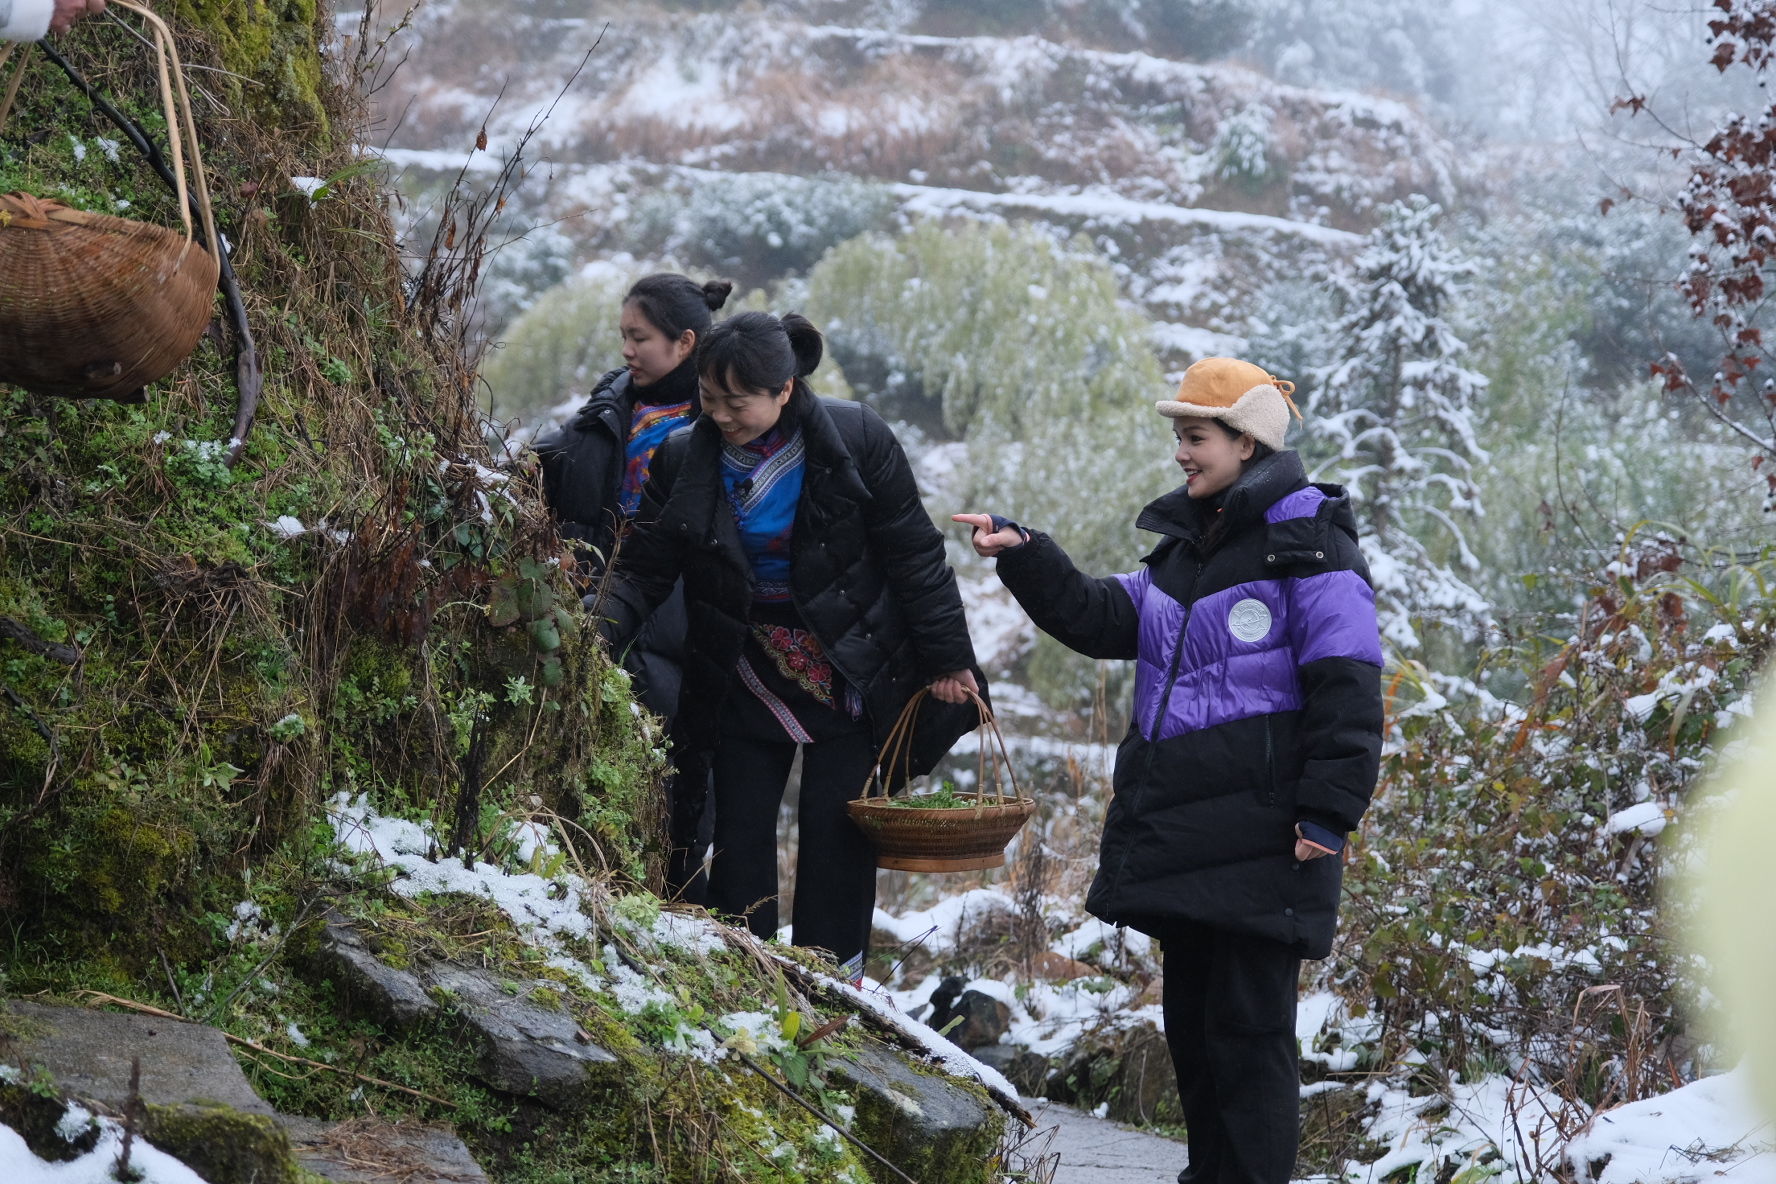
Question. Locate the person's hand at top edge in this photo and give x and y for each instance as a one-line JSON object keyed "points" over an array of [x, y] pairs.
{"points": [[69, 11]]}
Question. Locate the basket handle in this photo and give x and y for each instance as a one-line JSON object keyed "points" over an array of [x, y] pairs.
{"points": [[897, 750], [18, 76], [990, 724], [175, 103]]}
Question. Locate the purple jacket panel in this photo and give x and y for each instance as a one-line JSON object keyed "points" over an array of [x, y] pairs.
{"points": [[1303, 503], [1230, 670], [1334, 617], [1159, 617], [1244, 645]]}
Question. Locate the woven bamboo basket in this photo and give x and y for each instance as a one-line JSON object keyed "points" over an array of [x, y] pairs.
{"points": [[943, 838], [94, 306]]}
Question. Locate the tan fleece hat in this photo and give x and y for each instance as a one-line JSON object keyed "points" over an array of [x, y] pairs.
{"points": [[1244, 397]]}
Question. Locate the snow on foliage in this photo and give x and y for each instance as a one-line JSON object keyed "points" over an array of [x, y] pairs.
{"points": [[1244, 148], [1403, 48], [756, 227], [1395, 420], [1023, 349]]}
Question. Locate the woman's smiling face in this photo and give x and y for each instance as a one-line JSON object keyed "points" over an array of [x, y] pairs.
{"points": [[741, 415], [1211, 459]]}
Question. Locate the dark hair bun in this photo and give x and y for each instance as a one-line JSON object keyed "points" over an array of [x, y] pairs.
{"points": [[715, 293], [806, 341]]}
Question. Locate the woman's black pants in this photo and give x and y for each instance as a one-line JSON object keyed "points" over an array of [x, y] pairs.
{"points": [[835, 877], [1230, 1024]]}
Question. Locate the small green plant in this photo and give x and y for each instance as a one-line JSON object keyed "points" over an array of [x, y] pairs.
{"points": [[641, 910], [287, 728], [43, 1084], [944, 797], [200, 464]]}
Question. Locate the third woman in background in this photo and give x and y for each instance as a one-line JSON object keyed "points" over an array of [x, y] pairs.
{"points": [[593, 471], [818, 600], [594, 466]]}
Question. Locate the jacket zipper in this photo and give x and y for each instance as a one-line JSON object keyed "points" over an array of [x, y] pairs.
{"points": [[1165, 696], [1270, 772], [1165, 699]]}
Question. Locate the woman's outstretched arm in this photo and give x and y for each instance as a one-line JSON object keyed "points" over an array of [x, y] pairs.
{"points": [[1096, 616]]}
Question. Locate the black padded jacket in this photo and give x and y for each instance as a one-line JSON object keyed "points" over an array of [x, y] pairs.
{"points": [[867, 571]]}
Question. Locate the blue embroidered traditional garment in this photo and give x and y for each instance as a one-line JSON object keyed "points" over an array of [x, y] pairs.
{"points": [[793, 687], [764, 483], [651, 424]]}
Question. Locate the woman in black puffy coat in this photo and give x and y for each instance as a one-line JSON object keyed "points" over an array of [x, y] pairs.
{"points": [[817, 600], [594, 465]]}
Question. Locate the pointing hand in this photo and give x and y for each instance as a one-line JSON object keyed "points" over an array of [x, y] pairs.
{"points": [[987, 541]]}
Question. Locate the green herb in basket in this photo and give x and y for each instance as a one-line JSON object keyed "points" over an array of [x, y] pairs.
{"points": [[945, 797]]}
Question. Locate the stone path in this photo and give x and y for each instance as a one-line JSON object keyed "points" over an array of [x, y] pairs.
{"points": [[1093, 1151]]}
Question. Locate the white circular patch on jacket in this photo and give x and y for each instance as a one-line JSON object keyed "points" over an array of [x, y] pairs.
{"points": [[1249, 620]]}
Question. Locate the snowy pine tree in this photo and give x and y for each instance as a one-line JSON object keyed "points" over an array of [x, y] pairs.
{"points": [[1395, 421], [1404, 48]]}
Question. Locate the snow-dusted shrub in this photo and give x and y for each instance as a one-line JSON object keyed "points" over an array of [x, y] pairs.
{"points": [[1290, 333], [1564, 314], [1198, 30], [758, 227], [1403, 48], [1395, 420], [1023, 350], [1507, 880], [1194, 30], [1244, 151]]}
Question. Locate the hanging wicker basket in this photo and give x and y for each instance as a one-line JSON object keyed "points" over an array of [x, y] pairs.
{"points": [[913, 838], [94, 306]]}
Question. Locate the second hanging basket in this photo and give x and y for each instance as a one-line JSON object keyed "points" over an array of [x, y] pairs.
{"points": [[969, 835], [94, 306]]}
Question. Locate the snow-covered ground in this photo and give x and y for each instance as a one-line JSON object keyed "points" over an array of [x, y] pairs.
{"points": [[94, 1166], [1494, 1127]]}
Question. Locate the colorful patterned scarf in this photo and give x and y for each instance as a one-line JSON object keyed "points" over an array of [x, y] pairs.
{"points": [[764, 484], [651, 424]]}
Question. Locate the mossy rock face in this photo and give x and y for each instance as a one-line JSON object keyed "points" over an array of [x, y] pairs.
{"points": [[220, 1143], [234, 677], [224, 1145], [938, 1130], [274, 46]]}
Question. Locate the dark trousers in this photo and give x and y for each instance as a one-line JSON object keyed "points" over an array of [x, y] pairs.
{"points": [[1230, 1024], [689, 828], [835, 877]]}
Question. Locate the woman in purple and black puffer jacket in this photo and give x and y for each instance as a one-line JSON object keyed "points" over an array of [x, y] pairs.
{"points": [[1252, 752]]}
